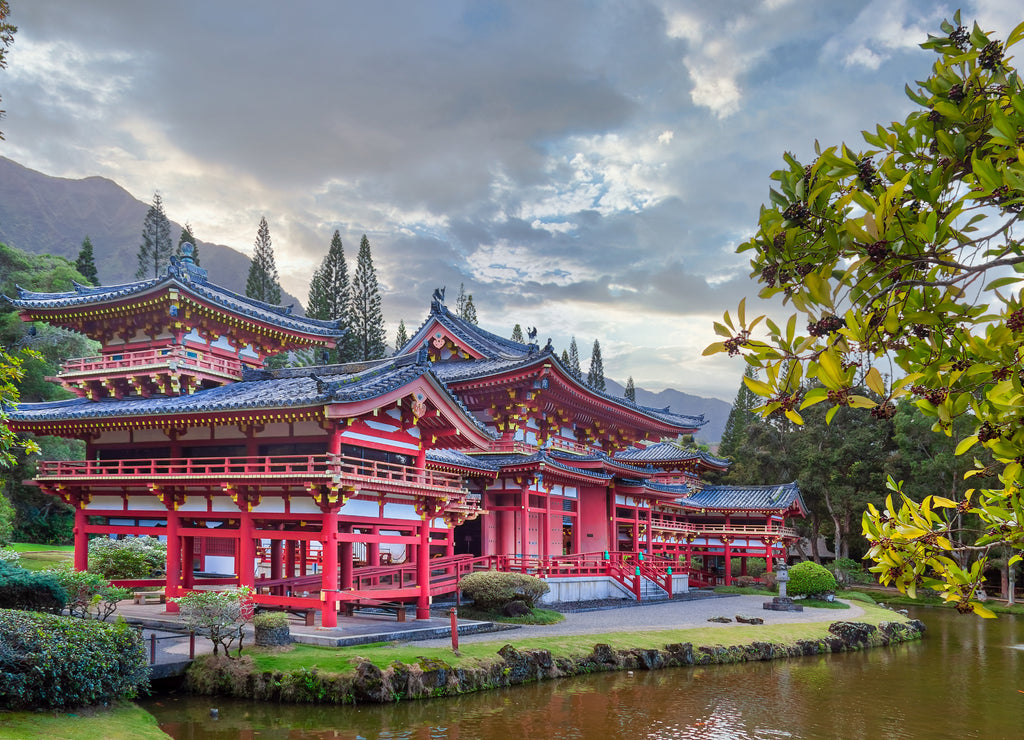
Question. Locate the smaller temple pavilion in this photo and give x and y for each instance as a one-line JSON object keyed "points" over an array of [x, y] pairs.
{"points": [[332, 487]]}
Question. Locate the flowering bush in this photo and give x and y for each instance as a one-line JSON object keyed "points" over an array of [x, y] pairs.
{"points": [[132, 557], [218, 615]]}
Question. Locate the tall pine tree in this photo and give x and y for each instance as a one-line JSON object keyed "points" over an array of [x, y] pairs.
{"points": [[86, 263], [460, 301], [330, 297], [155, 251], [367, 318], [189, 237], [263, 284], [740, 417], [574, 360], [402, 337], [631, 390], [595, 376], [469, 310], [517, 334]]}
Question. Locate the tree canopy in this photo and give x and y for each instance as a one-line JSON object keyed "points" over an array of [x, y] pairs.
{"points": [[904, 256], [330, 296], [595, 376], [86, 262]]}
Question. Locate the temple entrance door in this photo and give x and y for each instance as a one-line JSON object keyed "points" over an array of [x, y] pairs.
{"points": [[468, 538]]}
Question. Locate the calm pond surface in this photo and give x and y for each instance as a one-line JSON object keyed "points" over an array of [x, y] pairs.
{"points": [[965, 679]]}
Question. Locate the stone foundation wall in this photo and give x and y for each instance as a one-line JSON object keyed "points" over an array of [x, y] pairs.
{"points": [[432, 677]]}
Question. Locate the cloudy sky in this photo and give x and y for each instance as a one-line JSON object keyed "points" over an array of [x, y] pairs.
{"points": [[586, 167]]}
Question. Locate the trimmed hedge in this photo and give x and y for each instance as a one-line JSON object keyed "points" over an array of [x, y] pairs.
{"points": [[809, 578], [53, 662], [131, 557], [493, 589], [25, 589]]}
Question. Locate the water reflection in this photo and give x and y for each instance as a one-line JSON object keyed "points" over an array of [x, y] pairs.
{"points": [[961, 681]]}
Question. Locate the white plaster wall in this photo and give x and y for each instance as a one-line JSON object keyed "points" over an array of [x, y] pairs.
{"points": [[584, 589]]}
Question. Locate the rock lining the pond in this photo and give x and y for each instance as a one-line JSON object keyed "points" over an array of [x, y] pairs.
{"points": [[433, 677]]}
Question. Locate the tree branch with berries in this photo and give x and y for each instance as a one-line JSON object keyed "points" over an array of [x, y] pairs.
{"points": [[908, 252]]}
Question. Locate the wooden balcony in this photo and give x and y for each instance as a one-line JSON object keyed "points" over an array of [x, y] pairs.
{"points": [[287, 471], [713, 530], [179, 359]]}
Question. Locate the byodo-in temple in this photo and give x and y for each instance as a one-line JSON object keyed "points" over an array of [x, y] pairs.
{"points": [[324, 488]]}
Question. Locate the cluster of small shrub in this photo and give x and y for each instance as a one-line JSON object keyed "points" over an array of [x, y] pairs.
{"points": [[55, 662], [131, 557], [810, 579], [494, 590]]}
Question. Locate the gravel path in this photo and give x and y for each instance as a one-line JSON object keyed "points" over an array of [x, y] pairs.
{"points": [[661, 616]]}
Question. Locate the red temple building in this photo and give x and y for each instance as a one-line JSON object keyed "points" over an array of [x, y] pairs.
{"points": [[332, 486]]}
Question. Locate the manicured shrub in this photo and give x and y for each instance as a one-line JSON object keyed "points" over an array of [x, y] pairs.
{"points": [[270, 620], [24, 589], [90, 595], [219, 615], [809, 578], [493, 590], [132, 557], [53, 662]]}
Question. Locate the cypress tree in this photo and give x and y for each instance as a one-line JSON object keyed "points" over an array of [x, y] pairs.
{"points": [[740, 417], [330, 296], [574, 360], [517, 335], [155, 251], [469, 310], [189, 237], [402, 337], [86, 264], [367, 318], [263, 284], [595, 376], [631, 390], [460, 302], [565, 357]]}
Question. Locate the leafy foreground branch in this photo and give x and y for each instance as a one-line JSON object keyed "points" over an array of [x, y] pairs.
{"points": [[905, 261]]}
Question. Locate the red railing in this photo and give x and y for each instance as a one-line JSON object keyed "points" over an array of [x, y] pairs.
{"points": [[525, 448], [182, 357], [736, 529], [335, 468]]}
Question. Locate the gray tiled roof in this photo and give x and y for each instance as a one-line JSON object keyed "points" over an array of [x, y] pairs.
{"points": [[668, 452], [767, 498], [292, 387], [190, 280], [487, 344]]}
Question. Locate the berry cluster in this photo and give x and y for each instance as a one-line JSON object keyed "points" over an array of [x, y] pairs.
{"points": [[885, 410], [878, 251], [786, 403], [991, 56], [960, 37], [779, 242], [920, 331], [963, 364], [840, 397], [1002, 197], [867, 174], [826, 325], [988, 432], [956, 93], [734, 344], [798, 213], [1016, 321], [934, 396]]}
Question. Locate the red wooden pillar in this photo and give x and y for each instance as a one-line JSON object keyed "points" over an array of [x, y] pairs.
{"points": [[188, 549], [275, 559], [423, 569], [449, 541], [246, 551], [329, 573], [524, 533], [173, 588], [544, 527], [650, 530], [373, 549], [81, 539], [345, 562], [289, 558], [636, 526], [768, 555], [728, 561]]}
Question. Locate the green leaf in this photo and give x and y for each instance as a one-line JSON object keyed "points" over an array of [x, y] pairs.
{"points": [[966, 444]]}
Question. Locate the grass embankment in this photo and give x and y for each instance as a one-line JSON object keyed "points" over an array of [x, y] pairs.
{"points": [[122, 722], [536, 616], [343, 660]]}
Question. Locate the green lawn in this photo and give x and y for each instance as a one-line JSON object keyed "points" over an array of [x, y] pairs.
{"points": [[122, 722], [41, 557]]}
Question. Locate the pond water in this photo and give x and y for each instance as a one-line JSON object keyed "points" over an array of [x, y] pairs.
{"points": [[965, 679]]}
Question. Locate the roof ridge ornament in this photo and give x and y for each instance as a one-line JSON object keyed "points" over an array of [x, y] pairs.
{"points": [[437, 301]]}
